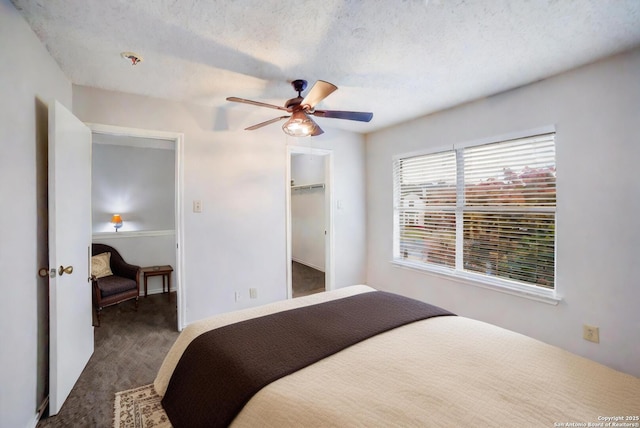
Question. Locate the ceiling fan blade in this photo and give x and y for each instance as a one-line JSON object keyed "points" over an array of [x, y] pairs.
{"points": [[256, 103], [268, 122], [360, 116], [319, 92]]}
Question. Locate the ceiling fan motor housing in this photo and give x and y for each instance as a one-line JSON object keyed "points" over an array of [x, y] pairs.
{"points": [[293, 103], [299, 85]]}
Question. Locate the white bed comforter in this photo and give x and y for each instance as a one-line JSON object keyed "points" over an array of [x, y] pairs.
{"points": [[444, 371]]}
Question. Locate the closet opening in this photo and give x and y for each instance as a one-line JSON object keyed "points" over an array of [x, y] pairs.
{"points": [[309, 218]]}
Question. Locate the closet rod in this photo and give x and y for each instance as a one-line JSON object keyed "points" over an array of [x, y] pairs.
{"points": [[308, 186]]}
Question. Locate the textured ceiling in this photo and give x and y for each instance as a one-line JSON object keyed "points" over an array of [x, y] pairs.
{"points": [[397, 59]]}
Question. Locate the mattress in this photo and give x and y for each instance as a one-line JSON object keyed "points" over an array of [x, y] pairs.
{"points": [[443, 371]]}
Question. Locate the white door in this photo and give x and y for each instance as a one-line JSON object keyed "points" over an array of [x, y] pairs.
{"points": [[70, 304]]}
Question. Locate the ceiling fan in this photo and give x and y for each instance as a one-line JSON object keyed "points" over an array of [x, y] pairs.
{"points": [[299, 123]]}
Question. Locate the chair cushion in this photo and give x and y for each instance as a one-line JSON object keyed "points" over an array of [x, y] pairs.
{"points": [[101, 265], [110, 285]]}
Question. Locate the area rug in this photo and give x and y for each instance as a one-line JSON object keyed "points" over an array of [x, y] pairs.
{"points": [[139, 408]]}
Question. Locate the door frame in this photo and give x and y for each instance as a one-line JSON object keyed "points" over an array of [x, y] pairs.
{"points": [[178, 141], [327, 155]]}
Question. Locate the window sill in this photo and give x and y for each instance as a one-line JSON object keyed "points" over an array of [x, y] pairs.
{"points": [[502, 286]]}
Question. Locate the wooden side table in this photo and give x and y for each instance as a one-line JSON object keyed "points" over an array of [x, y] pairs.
{"points": [[164, 271]]}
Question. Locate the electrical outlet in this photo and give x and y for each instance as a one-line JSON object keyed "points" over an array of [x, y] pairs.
{"points": [[238, 296], [591, 333], [197, 206], [253, 293]]}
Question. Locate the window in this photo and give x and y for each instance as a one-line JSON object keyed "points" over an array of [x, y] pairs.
{"points": [[485, 212]]}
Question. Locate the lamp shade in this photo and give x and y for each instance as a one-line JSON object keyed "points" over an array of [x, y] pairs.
{"points": [[116, 219]]}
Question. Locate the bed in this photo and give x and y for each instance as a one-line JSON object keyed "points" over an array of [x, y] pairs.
{"points": [[443, 370]]}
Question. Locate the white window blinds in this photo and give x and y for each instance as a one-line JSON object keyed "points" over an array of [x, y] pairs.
{"points": [[425, 201], [486, 209]]}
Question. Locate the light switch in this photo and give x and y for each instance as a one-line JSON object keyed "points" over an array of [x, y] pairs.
{"points": [[197, 206]]}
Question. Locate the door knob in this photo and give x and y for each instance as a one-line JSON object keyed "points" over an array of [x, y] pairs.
{"points": [[43, 272], [63, 270]]}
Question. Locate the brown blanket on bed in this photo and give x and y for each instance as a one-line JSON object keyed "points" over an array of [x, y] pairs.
{"points": [[222, 369]]}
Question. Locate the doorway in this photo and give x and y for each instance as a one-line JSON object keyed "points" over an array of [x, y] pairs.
{"points": [[309, 221], [168, 235]]}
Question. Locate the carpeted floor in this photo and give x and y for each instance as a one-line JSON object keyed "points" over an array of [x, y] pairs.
{"points": [[305, 280], [129, 349]]}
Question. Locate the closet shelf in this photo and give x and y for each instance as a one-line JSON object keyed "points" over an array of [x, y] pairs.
{"points": [[308, 186]]}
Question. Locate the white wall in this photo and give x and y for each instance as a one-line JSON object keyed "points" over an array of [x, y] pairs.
{"points": [[308, 211], [596, 111], [239, 240], [137, 183], [29, 80]]}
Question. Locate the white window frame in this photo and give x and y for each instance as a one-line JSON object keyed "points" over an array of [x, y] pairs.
{"points": [[550, 296]]}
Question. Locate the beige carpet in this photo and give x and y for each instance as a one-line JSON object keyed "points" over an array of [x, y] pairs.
{"points": [[139, 408]]}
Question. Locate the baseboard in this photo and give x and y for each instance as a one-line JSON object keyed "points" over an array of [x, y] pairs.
{"points": [[311, 265], [35, 421], [151, 291], [40, 411]]}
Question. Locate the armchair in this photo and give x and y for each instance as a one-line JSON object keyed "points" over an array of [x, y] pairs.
{"points": [[121, 286]]}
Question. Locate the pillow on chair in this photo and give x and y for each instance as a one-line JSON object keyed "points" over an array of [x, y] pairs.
{"points": [[101, 265]]}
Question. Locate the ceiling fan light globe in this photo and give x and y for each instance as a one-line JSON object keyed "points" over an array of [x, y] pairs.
{"points": [[299, 125]]}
